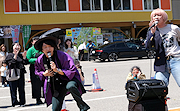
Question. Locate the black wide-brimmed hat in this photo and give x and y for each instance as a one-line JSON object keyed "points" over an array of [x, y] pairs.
{"points": [[47, 36]]}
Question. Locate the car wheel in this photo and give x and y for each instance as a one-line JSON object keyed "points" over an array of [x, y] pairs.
{"points": [[112, 57], [151, 54]]}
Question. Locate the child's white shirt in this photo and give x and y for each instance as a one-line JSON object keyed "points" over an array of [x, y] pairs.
{"points": [[3, 71]]}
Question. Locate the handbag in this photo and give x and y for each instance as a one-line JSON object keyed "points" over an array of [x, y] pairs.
{"points": [[12, 74]]}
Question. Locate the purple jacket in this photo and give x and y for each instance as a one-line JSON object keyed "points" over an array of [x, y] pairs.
{"points": [[68, 68]]}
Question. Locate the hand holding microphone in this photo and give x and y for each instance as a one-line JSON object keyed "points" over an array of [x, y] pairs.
{"points": [[153, 29], [53, 66], [153, 25], [48, 73]]}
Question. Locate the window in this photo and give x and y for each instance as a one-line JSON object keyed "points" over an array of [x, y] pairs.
{"points": [[46, 5], [32, 5], [155, 4], [106, 5], [86, 5], [119, 4], [126, 5], [91, 5], [119, 45], [28, 5], [24, 5], [43, 5], [151, 4], [130, 45], [59, 5], [96, 5]]}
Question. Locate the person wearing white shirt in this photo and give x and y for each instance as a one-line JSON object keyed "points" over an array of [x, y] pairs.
{"points": [[3, 54], [81, 49], [71, 50], [3, 71]]}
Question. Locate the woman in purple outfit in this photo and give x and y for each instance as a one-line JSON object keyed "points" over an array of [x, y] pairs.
{"points": [[59, 74]]}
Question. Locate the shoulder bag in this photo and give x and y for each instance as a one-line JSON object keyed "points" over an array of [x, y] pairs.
{"points": [[12, 74]]}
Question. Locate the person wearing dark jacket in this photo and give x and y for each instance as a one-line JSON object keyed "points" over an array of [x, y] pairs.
{"points": [[164, 38], [36, 83], [59, 74], [17, 61]]}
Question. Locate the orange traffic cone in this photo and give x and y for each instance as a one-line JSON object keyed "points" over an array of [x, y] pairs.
{"points": [[96, 84]]}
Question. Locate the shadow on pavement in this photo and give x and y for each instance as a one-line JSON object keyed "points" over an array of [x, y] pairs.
{"points": [[88, 85], [4, 107]]}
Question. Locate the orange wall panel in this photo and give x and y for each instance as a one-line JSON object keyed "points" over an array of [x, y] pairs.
{"points": [[137, 4], [74, 5], [11, 5], [165, 4]]}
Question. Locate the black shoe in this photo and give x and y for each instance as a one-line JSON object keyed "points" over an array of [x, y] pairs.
{"points": [[38, 101], [16, 103], [85, 109]]}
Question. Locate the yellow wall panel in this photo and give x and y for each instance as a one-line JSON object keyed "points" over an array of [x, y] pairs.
{"points": [[65, 18]]}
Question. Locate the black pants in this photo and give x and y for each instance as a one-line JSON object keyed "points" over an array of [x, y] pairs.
{"points": [[90, 53], [14, 85], [3, 80], [72, 88], [36, 83], [81, 54]]}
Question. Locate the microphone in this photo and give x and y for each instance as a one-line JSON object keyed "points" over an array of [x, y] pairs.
{"points": [[155, 23], [49, 56]]}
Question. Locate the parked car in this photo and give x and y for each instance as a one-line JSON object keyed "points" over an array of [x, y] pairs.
{"points": [[115, 50]]}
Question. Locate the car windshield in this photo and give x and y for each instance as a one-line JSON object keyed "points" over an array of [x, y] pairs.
{"points": [[130, 45]]}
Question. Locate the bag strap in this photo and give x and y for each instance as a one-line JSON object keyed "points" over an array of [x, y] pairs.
{"points": [[9, 68]]}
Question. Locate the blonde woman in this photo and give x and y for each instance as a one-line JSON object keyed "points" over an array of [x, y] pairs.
{"points": [[164, 38]]}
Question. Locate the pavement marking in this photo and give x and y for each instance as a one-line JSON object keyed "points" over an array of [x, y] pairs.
{"points": [[174, 109], [67, 102], [105, 98]]}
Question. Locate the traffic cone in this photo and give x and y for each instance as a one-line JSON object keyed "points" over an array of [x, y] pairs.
{"points": [[96, 84]]}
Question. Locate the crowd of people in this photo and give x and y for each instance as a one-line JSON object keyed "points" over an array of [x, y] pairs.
{"points": [[64, 69], [55, 67]]}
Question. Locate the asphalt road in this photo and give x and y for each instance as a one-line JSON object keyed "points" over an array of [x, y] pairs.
{"points": [[112, 77]]}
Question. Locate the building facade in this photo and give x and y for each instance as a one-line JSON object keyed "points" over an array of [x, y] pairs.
{"points": [[130, 17]]}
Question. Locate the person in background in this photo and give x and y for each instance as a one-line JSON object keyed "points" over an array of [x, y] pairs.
{"points": [[81, 49], [90, 45], [135, 74], [36, 83], [3, 54], [164, 38], [60, 45], [106, 41], [70, 49], [59, 74], [3, 71], [141, 41], [79, 68], [15, 59], [61, 48]]}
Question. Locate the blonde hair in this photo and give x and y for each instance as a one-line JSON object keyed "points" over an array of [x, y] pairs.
{"points": [[161, 12]]}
